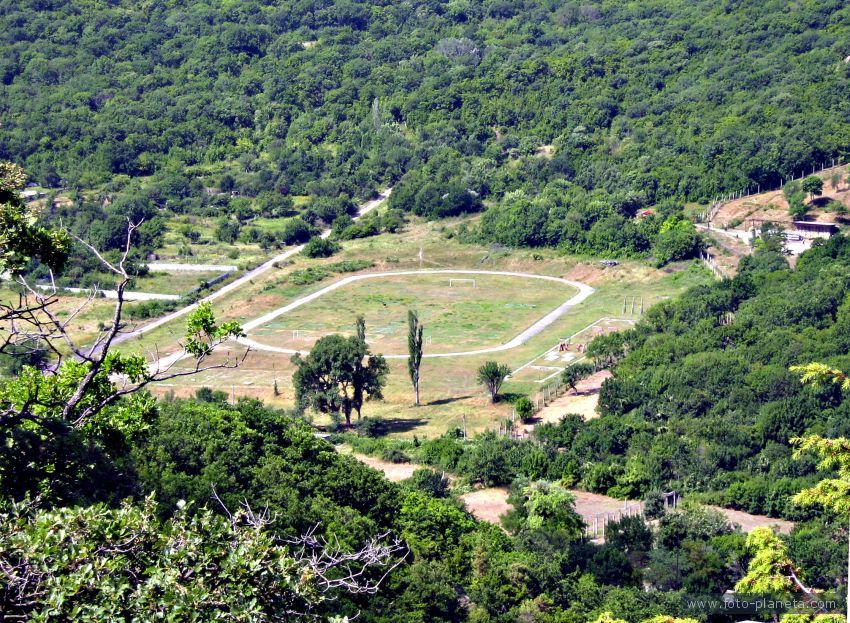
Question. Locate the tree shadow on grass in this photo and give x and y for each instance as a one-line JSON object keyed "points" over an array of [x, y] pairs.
{"points": [[445, 401], [399, 425]]}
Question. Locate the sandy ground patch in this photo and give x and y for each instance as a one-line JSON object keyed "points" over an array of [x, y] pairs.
{"points": [[749, 522], [487, 504], [773, 206], [588, 505], [491, 503], [394, 472], [583, 403]]}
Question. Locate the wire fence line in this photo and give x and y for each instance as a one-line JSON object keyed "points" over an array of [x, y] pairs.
{"points": [[595, 526], [753, 190]]}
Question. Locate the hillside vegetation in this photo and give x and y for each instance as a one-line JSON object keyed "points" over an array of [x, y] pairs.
{"points": [[626, 103]]}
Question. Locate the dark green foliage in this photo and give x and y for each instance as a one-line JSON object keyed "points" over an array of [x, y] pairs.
{"points": [[677, 240], [591, 119], [372, 427], [395, 455], [427, 480], [414, 351], [575, 373], [630, 98], [248, 452], [227, 230], [297, 231], [701, 398], [320, 247], [338, 375], [15, 356]]}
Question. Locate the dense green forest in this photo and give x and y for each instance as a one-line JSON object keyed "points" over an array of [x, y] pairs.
{"points": [[586, 126], [610, 106], [213, 455]]}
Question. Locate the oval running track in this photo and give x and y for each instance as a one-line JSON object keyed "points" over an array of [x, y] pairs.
{"points": [[584, 291]]}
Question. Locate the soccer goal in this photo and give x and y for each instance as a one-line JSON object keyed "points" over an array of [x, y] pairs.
{"points": [[461, 282]]}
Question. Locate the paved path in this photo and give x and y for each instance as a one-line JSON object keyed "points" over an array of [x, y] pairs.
{"points": [[192, 268], [244, 279], [584, 292], [113, 294]]}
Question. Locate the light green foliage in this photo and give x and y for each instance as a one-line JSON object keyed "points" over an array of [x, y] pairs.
{"points": [[524, 408], [821, 374], [607, 617], [203, 333], [492, 374], [551, 506], [770, 569], [22, 238], [100, 564], [831, 493]]}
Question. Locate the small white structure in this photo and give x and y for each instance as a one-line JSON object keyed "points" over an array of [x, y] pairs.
{"points": [[32, 195]]}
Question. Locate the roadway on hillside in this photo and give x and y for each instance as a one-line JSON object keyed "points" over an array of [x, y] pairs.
{"points": [[244, 279], [584, 291]]}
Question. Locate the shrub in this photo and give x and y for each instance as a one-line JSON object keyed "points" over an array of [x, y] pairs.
{"points": [[320, 247], [430, 482], [524, 408], [297, 231], [372, 427], [395, 455], [350, 266], [307, 276]]}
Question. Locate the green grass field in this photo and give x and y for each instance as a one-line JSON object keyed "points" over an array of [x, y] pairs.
{"points": [[171, 283], [457, 315], [450, 392]]}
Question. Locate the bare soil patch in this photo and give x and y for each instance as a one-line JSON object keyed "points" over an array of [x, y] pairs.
{"points": [[583, 403], [393, 472], [487, 504], [749, 522]]}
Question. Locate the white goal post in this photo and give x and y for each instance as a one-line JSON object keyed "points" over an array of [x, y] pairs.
{"points": [[452, 282]]}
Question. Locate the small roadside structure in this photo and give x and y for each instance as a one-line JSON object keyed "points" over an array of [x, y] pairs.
{"points": [[32, 195], [815, 229]]}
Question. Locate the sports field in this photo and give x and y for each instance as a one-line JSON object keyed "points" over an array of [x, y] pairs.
{"points": [[460, 312], [451, 394]]}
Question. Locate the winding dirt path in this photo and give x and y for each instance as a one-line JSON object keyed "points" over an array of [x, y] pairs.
{"points": [[584, 291]]}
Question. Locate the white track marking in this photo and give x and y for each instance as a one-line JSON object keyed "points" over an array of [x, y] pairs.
{"points": [[572, 361], [584, 292]]}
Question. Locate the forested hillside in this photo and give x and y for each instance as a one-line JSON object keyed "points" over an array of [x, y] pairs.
{"points": [[637, 101], [230, 127]]}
